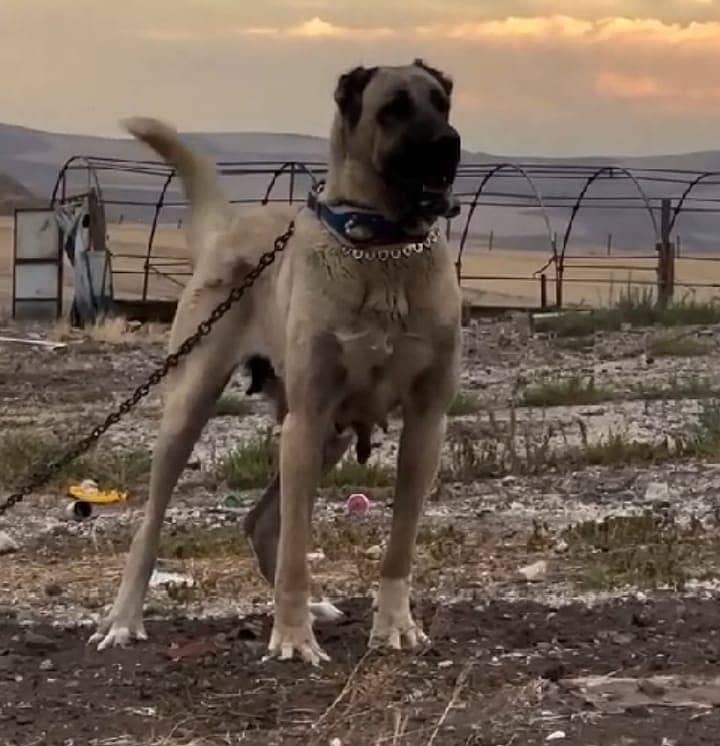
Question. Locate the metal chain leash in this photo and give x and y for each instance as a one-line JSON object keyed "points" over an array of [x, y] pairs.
{"points": [[45, 473]]}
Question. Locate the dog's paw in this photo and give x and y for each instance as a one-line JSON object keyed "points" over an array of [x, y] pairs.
{"points": [[393, 624], [324, 611], [118, 634], [287, 640], [396, 633]]}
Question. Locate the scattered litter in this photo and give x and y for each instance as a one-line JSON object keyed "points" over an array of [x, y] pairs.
{"points": [[445, 664], [535, 572], [374, 552], [657, 492], [35, 342], [232, 501], [616, 695], [47, 665], [357, 503], [324, 611], [558, 735], [78, 510], [8, 545], [317, 556], [162, 578], [88, 491]]}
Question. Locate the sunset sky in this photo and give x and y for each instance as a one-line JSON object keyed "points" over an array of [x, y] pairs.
{"points": [[550, 77]]}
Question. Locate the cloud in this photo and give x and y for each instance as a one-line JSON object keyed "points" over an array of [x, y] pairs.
{"points": [[670, 95], [561, 28], [316, 28]]}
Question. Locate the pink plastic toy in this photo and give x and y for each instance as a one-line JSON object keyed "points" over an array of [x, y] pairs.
{"points": [[357, 503]]}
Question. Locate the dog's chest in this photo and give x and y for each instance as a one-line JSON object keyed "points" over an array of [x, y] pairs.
{"points": [[381, 363]]}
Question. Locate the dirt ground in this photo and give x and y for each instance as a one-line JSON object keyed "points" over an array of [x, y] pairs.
{"points": [[612, 639]]}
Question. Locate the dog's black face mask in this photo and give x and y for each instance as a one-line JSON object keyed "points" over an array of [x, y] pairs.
{"points": [[414, 148], [424, 160], [423, 168]]}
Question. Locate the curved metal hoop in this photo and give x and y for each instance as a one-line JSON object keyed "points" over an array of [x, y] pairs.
{"points": [[294, 166], [578, 203], [476, 198]]}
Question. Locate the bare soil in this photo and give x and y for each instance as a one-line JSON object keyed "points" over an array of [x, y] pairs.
{"points": [[629, 589]]}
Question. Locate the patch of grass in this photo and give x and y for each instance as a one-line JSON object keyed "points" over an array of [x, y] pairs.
{"points": [[501, 451], [704, 441], [635, 307], [251, 465], [616, 449], [697, 388], [22, 452], [464, 403], [231, 405], [349, 473], [255, 463], [646, 551], [202, 542], [114, 330], [668, 345], [574, 324], [575, 344], [576, 390]]}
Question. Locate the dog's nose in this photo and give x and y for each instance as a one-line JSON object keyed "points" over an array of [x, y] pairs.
{"points": [[445, 153]]}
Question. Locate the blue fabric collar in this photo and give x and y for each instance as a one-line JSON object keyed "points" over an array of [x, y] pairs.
{"points": [[358, 226]]}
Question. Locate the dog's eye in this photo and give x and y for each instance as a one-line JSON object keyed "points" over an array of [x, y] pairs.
{"points": [[400, 107], [440, 101]]}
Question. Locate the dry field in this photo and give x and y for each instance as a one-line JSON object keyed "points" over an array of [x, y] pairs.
{"points": [[567, 565], [583, 287]]}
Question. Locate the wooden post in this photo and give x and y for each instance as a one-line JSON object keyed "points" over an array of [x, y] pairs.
{"points": [[491, 239], [559, 268], [543, 290], [97, 226], [609, 244], [666, 256]]}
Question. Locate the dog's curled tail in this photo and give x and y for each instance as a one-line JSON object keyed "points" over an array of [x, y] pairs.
{"points": [[197, 172]]}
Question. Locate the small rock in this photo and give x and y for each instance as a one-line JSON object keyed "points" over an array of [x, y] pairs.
{"points": [[317, 556], [657, 492], [53, 589], [335, 742], [558, 735], [9, 662], [561, 546], [651, 689], [374, 552], [47, 665], [35, 641], [593, 412], [535, 572], [8, 545], [445, 664]]}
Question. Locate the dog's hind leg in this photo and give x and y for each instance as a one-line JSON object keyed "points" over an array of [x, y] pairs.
{"points": [[262, 523], [192, 392]]}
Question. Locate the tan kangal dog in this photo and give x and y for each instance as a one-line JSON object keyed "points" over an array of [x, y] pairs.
{"points": [[359, 316]]}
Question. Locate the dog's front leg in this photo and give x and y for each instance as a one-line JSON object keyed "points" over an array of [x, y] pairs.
{"points": [[301, 448], [418, 461]]}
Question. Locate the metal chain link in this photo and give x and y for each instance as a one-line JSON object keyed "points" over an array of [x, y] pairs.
{"points": [[45, 473]]}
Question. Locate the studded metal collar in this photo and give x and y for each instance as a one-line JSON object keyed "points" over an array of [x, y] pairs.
{"points": [[365, 235]]}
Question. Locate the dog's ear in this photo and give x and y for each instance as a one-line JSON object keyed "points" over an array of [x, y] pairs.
{"points": [[445, 81], [349, 91]]}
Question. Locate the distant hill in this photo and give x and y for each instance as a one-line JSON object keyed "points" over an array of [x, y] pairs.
{"points": [[13, 194], [30, 159]]}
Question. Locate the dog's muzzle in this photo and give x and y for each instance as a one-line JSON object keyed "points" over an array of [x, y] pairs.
{"points": [[424, 170]]}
